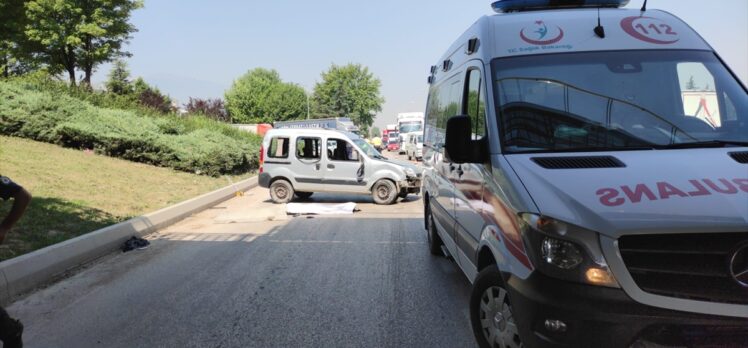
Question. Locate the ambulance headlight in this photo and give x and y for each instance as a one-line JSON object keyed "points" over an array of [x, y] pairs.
{"points": [[564, 251], [560, 253]]}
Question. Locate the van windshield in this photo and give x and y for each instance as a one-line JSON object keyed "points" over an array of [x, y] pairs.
{"points": [[606, 101]]}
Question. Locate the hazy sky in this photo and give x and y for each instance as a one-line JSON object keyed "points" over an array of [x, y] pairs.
{"points": [[197, 48]]}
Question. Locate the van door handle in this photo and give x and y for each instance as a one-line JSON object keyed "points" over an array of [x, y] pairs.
{"points": [[330, 166], [317, 166]]}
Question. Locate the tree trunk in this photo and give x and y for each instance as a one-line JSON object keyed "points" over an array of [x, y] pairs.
{"points": [[71, 75], [87, 63], [6, 68], [69, 55], [88, 70]]}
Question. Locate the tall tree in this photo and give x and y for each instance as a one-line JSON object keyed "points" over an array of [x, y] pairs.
{"points": [[691, 84], [12, 21], [119, 79], [260, 96], [79, 34], [349, 91]]}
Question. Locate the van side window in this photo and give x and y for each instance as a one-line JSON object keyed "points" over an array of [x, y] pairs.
{"points": [[341, 150], [278, 148], [308, 148], [474, 104]]}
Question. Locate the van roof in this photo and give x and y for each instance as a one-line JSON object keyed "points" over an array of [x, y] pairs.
{"points": [[310, 132], [569, 30]]}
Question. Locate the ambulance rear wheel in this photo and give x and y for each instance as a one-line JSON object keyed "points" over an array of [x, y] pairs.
{"points": [[435, 242]]}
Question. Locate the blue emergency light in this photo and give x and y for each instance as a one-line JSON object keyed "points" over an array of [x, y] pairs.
{"points": [[504, 6]]}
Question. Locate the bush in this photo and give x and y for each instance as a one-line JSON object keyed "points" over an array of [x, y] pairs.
{"points": [[212, 108], [193, 144]]}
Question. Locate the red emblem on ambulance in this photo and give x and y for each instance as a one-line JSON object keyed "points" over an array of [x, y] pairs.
{"points": [[539, 34]]}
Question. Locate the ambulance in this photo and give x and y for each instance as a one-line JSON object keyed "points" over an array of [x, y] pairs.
{"points": [[577, 181]]}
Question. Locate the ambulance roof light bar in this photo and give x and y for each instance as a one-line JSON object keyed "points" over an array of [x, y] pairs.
{"points": [[506, 6]]}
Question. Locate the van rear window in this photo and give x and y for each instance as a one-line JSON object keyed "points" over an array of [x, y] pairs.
{"points": [[278, 148]]}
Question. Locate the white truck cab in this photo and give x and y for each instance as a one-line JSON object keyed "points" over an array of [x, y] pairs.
{"points": [[586, 167]]}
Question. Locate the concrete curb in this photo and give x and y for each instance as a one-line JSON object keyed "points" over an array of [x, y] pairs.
{"points": [[24, 273]]}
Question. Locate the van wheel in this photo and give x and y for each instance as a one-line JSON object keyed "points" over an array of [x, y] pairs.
{"points": [[491, 312], [303, 195], [435, 242], [281, 191], [384, 192]]}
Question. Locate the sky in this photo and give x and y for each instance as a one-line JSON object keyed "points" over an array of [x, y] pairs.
{"points": [[194, 48]]}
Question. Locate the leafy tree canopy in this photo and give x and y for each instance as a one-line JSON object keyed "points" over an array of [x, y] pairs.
{"points": [[349, 91], [260, 96], [79, 34]]}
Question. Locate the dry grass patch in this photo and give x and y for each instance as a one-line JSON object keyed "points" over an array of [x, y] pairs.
{"points": [[76, 192]]}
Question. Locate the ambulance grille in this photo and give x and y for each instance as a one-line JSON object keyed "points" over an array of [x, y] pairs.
{"points": [[686, 266], [741, 157], [586, 162]]}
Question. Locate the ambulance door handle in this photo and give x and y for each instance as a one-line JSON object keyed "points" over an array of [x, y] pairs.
{"points": [[330, 166], [317, 166]]}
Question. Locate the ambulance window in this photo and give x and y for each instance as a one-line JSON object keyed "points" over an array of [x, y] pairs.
{"points": [[308, 148], [474, 103], [278, 148], [698, 93]]}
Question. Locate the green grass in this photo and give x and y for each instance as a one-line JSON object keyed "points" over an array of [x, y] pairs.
{"points": [[76, 192]]}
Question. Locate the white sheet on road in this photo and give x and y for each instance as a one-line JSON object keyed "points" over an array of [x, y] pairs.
{"points": [[320, 208]]}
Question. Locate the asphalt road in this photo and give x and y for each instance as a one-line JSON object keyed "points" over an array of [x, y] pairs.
{"points": [[243, 274]]}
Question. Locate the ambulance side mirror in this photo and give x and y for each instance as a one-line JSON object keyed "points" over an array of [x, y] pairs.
{"points": [[459, 143]]}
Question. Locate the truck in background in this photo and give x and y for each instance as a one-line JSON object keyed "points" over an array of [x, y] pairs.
{"points": [[337, 123], [408, 123]]}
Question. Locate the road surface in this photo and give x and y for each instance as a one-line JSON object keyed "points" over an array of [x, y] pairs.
{"points": [[243, 274]]}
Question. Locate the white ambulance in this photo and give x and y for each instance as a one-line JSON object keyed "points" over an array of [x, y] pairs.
{"points": [[585, 192]]}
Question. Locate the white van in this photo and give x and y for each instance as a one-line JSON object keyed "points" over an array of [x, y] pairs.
{"points": [[414, 146], [301, 162], [587, 198]]}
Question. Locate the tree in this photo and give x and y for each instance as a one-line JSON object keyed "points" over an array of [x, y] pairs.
{"points": [[375, 132], [79, 34], [260, 96], [14, 55], [119, 79], [691, 84], [349, 91]]}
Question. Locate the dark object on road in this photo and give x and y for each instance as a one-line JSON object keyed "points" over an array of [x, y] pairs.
{"points": [[135, 243], [10, 331]]}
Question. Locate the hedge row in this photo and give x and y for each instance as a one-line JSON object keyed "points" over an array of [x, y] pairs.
{"points": [[192, 144]]}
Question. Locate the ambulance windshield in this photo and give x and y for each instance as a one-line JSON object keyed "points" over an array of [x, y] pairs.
{"points": [[600, 101]]}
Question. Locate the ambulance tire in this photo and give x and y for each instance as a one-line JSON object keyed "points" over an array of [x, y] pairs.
{"points": [[491, 312], [435, 242]]}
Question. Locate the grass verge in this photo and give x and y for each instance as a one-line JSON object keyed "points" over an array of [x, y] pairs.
{"points": [[76, 192]]}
